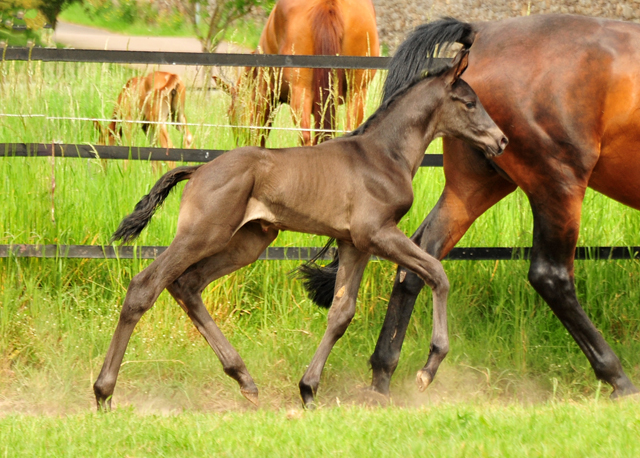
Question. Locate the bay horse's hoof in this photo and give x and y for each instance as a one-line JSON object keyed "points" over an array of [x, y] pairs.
{"points": [[625, 391], [252, 396], [369, 396], [423, 379]]}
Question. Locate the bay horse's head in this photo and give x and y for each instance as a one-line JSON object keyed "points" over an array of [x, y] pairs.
{"points": [[463, 116]]}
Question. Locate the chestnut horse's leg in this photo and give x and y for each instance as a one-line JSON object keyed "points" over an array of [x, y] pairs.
{"points": [[245, 247], [352, 264], [556, 215], [301, 107], [472, 187], [357, 82]]}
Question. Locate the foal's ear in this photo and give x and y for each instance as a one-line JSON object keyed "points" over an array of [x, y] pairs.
{"points": [[458, 66]]}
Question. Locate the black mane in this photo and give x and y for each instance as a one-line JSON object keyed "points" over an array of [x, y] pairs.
{"points": [[437, 71]]}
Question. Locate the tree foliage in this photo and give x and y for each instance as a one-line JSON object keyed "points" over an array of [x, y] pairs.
{"points": [[52, 8], [211, 18], [34, 13]]}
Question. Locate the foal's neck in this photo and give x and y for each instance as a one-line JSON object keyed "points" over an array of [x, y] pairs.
{"points": [[408, 126]]}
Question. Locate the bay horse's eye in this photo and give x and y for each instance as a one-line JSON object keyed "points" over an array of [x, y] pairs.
{"points": [[470, 105]]}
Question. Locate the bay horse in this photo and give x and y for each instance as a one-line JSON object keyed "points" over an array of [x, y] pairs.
{"points": [[307, 27], [565, 90], [157, 97], [354, 189]]}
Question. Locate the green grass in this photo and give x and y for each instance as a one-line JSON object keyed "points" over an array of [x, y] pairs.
{"points": [[585, 429], [57, 315]]}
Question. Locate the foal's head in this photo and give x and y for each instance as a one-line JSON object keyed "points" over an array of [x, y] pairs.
{"points": [[463, 116]]}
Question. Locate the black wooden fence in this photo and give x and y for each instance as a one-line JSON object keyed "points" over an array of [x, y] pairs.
{"points": [[8, 150]]}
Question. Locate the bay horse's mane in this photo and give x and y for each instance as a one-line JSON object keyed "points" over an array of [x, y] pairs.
{"points": [[384, 106]]}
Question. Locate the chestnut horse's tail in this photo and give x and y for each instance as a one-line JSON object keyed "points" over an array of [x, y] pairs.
{"points": [[411, 58], [415, 53], [328, 31], [132, 225]]}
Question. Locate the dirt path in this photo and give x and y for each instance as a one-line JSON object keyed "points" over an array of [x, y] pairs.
{"points": [[83, 37]]}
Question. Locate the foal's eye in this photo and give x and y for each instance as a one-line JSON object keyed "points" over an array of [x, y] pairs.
{"points": [[470, 105]]}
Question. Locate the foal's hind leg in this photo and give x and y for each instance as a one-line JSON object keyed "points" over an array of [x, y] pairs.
{"points": [[142, 293], [352, 264], [245, 247]]}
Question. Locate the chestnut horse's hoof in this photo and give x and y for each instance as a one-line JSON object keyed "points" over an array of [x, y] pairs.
{"points": [[423, 379]]}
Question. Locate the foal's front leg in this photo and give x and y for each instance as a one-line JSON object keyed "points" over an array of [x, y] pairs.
{"points": [[352, 264], [390, 243]]}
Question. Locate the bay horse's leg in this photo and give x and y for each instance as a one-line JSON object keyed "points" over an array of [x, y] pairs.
{"points": [[144, 289], [472, 188], [243, 249], [352, 264], [556, 224]]}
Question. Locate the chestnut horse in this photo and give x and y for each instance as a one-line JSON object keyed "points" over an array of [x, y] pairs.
{"points": [[156, 97], [308, 27], [566, 91], [354, 189]]}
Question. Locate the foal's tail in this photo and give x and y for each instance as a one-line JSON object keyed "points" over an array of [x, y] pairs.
{"points": [[328, 33], [422, 45], [132, 225]]}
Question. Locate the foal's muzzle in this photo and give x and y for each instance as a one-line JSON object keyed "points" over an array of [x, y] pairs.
{"points": [[502, 144], [497, 146]]}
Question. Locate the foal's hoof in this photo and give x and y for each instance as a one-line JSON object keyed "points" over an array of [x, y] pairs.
{"points": [[306, 394], [311, 405], [252, 396], [103, 403], [423, 379]]}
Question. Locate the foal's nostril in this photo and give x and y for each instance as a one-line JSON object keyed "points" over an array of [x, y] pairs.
{"points": [[504, 141]]}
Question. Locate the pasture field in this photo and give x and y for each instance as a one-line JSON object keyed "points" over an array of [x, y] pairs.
{"points": [[57, 316], [587, 429]]}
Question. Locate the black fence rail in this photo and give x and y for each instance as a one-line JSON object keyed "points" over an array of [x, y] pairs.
{"points": [[193, 58], [133, 153], [296, 253]]}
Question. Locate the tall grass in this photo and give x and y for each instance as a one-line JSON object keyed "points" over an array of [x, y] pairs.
{"points": [[57, 315]]}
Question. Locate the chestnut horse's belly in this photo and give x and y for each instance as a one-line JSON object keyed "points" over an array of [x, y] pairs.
{"points": [[617, 174]]}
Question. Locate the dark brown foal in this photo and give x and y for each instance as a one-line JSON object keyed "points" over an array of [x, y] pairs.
{"points": [[354, 189]]}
